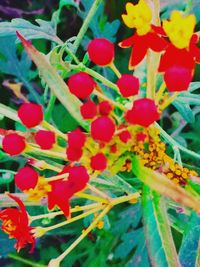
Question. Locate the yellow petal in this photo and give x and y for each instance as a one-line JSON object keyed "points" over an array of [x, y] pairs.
{"points": [[128, 21]]}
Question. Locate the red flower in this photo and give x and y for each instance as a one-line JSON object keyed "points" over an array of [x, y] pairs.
{"points": [[59, 196], [81, 85], [102, 129], [144, 112], [13, 144], [105, 108], [128, 85], [101, 51], [98, 162], [16, 225], [45, 139], [178, 65], [26, 178], [140, 44], [30, 114], [88, 109], [63, 190]]}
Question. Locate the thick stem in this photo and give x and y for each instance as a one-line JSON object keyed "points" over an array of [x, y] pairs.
{"points": [[152, 57], [86, 24]]}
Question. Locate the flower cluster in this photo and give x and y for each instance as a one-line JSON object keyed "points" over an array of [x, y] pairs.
{"points": [[176, 38], [118, 128]]}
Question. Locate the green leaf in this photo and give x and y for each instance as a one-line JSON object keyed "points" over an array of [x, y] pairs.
{"points": [[6, 178], [164, 186], [67, 123], [55, 82], [158, 235], [55, 58], [190, 243], [43, 30]]}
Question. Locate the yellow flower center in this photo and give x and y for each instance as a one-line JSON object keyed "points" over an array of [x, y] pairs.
{"points": [[41, 190], [138, 16], [180, 29]]}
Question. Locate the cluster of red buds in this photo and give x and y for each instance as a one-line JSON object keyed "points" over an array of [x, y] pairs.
{"points": [[87, 154]]}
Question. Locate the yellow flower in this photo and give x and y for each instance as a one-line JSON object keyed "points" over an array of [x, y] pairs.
{"points": [[138, 16], [180, 29]]}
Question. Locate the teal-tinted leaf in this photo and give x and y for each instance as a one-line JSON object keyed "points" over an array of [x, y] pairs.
{"points": [[158, 235], [140, 257], [99, 25], [20, 68], [43, 30], [133, 241], [11, 64], [194, 86], [129, 218], [184, 110], [68, 3], [190, 99], [190, 243], [7, 245]]}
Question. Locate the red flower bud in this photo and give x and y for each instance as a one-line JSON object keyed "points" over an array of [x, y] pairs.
{"points": [[125, 136], [101, 51], [76, 139], [78, 178], [140, 137], [26, 178], [102, 129], [88, 110], [98, 162], [13, 144], [30, 114], [128, 85], [105, 108], [81, 85], [73, 154], [144, 112], [178, 78], [113, 148], [45, 139]]}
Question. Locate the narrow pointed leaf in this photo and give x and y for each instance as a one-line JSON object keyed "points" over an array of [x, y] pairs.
{"points": [[164, 185], [189, 250], [158, 235], [54, 81]]}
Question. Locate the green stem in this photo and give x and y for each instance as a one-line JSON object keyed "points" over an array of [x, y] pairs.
{"points": [[50, 107], [152, 57], [174, 144], [96, 75], [27, 262], [86, 23]]}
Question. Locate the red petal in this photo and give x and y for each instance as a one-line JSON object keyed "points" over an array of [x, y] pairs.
{"points": [[195, 50], [156, 43], [178, 78], [158, 30], [174, 56], [128, 42], [137, 54]]}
